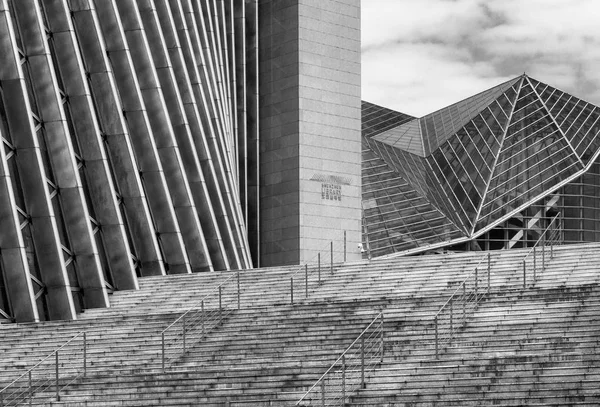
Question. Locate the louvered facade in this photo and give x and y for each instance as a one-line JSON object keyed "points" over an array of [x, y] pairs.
{"points": [[129, 146], [485, 173]]}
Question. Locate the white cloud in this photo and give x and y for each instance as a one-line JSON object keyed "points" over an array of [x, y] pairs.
{"points": [[421, 55]]}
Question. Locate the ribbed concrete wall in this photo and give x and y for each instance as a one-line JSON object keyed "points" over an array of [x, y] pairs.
{"points": [[130, 146]]}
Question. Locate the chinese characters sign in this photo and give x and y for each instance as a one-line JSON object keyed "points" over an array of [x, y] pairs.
{"points": [[331, 186], [331, 191]]}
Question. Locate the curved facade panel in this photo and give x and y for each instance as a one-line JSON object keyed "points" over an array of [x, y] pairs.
{"points": [[131, 143], [129, 147], [495, 165]]}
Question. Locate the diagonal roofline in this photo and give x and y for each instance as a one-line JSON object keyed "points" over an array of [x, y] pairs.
{"points": [[489, 181], [560, 130]]}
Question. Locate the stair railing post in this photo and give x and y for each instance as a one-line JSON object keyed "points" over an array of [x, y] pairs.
{"points": [[306, 281], [362, 362], [203, 317], [489, 270], [292, 290], [319, 268], [344, 246], [534, 262], [435, 321], [476, 281], [323, 393], [162, 351], [382, 337], [331, 256], [1, 399], [183, 332], [30, 389], [84, 355], [544, 252], [524, 275], [343, 379], [238, 289], [57, 384], [451, 317], [464, 302], [220, 299]]}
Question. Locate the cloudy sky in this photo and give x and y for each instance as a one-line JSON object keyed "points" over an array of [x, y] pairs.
{"points": [[421, 55]]}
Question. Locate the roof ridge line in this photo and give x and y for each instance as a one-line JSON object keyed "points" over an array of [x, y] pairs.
{"points": [[488, 183], [537, 95]]}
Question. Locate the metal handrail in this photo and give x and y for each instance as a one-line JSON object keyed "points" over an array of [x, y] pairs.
{"points": [[198, 320], [304, 268], [26, 385], [172, 346], [445, 321], [365, 352], [466, 297], [554, 233]]}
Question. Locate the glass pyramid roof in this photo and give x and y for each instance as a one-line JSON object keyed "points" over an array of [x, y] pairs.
{"points": [[481, 160]]}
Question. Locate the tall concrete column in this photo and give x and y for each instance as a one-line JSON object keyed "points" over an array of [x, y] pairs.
{"points": [[310, 129]]}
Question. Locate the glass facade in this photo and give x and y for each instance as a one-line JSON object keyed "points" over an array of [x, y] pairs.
{"points": [[485, 173]]}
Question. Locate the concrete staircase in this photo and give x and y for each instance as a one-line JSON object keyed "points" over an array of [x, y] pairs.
{"points": [[537, 346], [269, 352]]}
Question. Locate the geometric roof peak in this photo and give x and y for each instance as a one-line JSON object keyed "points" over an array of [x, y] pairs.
{"points": [[438, 126], [406, 137]]}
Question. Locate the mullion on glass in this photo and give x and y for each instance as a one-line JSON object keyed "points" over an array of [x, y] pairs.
{"points": [[511, 203], [532, 113], [502, 177], [539, 85], [499, 127], [526, 92], [576, 122], [549, 93], [593, 141], [560, 105], [469, 166], [481, 145], [519, 151], [500, 108], [472, 132], [381, 185], [555, 165], [580, 120], [562, 116], [452, 187], [527, 137], [398, 218], [440, 198], [549, 123], [532, 107], [406, 219], [551, 100], [390, 211], [491, 150], [524, 161]]}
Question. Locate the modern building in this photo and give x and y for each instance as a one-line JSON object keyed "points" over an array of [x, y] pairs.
{"points": [[151, 137], [489, 172], [154, 137]]}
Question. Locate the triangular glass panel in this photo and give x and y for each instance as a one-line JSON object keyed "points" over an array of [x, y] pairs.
{"points": [[533, 159], [397, 217], [464, 162], [406, 137], [417, 172], [440, 125], [376, 119], [578, 120]]}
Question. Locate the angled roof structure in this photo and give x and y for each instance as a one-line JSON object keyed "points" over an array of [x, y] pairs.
{"points": [[467, 167]]}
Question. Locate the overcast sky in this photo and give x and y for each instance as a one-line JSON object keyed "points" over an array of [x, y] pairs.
{"points": [[421, 55]]}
